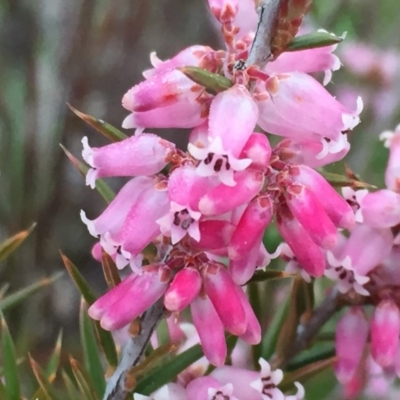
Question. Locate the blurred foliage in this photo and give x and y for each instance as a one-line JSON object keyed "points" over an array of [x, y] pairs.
{"points": [[89, 53]]}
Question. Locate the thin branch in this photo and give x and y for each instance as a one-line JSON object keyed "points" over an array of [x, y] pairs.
{"points": [[260, 52], [320, 316], [132, 353]]}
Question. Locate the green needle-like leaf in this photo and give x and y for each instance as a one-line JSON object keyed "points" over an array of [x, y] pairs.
{"points": [[104, 190], [312, 41], [83, 381], [21, 295], [46, 390], [101, 126], [11, 244], [79, 280], [105, 337], [270, 275], [110, 270], [269, 340], [168, 371], [91, 350], [70, 387], [54, 361], [9, 363], [342, 180], [212, 82]]}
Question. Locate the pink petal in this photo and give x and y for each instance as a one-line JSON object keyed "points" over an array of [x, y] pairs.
{"points": [[309, 212], [302, 109], [308, 254], [145, 154], [184, 288], [337, 208], [113, 217], [140, 226], [238, 107], [258, 149], [351, 339], [210, 330], [222, 198], [219, 286], [252, 224], [381, 209], [392, 174], [385, 331], [214, 234]]}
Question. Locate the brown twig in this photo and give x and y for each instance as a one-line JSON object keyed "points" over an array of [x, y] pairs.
{"points": [[260, 52], [132, 353]]}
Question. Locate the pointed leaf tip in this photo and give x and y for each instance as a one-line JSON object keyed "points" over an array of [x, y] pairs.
{"points": [[101, 126], [12, 243], [313, 40]]}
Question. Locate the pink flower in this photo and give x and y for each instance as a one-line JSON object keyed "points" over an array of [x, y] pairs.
{"points": [[166, 99], [145, 154], [131, 298], [309, 255], [385, 331], [293, 105], [351, 339], [392, 175]]}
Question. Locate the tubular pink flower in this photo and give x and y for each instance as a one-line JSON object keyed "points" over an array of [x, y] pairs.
{"points": [[191, 56], [308, 254], [180, 221], [337, 208], [140, 226], [251, 226], [385, 331], [238, 107], [223, 198], [258, 150], [267, 382], [113, 217], [240, 379], [243, 269], [252, 335], [347, 278], [131, 298], [198, 388], [356, 256], [145, 154], [308, 61], [392, 174], [165, 100], [294, 107], [210, 330], [214, 234], [380, 209], [219, 286], [183, 289], [292, 266], [351, 339], [312, 153], [215, 161], [306, 208], [185, 187]]}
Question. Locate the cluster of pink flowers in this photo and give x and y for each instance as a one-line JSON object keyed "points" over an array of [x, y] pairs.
{"points": [[373, 251], [204, 211], [229, 383]]}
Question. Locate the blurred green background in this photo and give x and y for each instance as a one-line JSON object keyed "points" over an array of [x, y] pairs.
{"points": [[89, 53]]}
